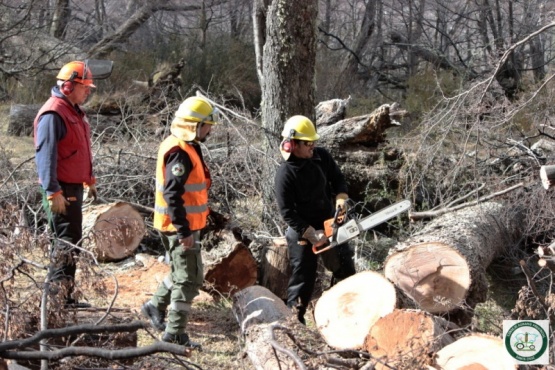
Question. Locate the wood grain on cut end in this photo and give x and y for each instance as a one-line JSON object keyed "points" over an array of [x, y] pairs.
{"points": [[434, 275], [346, 312]]}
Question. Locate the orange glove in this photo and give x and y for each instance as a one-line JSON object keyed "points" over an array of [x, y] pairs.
{"points": [[58, 203]]}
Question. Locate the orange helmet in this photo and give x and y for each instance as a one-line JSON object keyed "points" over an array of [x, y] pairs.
{"points": [[76, 72]]}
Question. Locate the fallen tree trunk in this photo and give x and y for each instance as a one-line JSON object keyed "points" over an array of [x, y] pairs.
{"points": [[476, 351], [406, 338], [256, 310], [442, 267], [367, 130], [346, 312], [112, 231], [236, 271]]}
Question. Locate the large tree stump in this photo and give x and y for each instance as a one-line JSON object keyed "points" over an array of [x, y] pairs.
{"points": [[476, 352], [346, 312], [112, 231], [407, 336], [443, 266], [275, 269], [236, 271]]}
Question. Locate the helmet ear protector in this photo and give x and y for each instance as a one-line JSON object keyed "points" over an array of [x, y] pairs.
{"points": [[288, 144], [68, 86]]}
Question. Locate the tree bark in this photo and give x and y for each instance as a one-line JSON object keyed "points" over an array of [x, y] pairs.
{"points": [[256, 310], [368, 130], [476, 351], [346, 312], [442, 267], [288, 70], [112, 231], [236, 271], [407, 333]]}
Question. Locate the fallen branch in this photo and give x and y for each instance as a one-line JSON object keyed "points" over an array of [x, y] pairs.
{"points": [[414, 216], [68, 331], [118, 354]]}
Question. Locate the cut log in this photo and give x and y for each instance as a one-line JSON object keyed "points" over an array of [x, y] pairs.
{"points": [[407, 336], [346, 312], [547, 175], [275, 269], [236, 271], [477, 351], [443, 266], [112, 231]]}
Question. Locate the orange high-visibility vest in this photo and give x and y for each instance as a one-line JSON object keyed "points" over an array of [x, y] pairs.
{"points": [[195, 198]]}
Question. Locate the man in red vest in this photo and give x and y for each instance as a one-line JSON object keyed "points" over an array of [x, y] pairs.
{"points": [[180, 213], [64, 165]]}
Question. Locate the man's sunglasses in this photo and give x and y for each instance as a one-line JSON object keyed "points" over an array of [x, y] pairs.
{"points": [[309, 144]]}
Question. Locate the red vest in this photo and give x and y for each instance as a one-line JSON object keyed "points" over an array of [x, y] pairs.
{"points": [[195, 198], [74, 163]]}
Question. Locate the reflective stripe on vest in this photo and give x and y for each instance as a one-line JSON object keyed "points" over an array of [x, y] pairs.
{"points": [[195, 197]]}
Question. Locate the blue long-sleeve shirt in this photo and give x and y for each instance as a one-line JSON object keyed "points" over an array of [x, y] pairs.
{"points": [[50, 130]]}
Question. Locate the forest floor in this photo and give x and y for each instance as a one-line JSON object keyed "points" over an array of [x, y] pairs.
{"points": [[211, 324]]}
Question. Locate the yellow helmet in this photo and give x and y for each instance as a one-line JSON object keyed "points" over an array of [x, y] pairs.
{"points": [[76, 72], [300, 128], [197, 109]]}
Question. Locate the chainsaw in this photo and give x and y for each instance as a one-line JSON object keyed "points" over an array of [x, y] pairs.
{"points": [[338, 230]]}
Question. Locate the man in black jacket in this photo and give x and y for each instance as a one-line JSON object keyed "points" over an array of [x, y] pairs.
{"points": [[308, 185]]}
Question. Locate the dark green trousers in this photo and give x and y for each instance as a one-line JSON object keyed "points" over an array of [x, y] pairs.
{"points": [[182, 285]]}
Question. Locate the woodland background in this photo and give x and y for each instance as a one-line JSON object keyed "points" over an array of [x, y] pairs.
{"points": [[474, 80]]}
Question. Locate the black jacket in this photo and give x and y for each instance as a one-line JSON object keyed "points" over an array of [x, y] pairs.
{"points": [[306, 189]]}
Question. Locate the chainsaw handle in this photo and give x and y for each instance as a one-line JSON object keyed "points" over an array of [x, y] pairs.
{"points": [[323, 248]]}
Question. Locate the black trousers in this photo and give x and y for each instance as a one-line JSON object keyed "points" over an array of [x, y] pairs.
{"points": [[67, 228], [304, 264]]}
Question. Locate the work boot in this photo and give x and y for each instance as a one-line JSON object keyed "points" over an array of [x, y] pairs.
{"points": [[155, 316], [181, 339], [298, 311]]}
